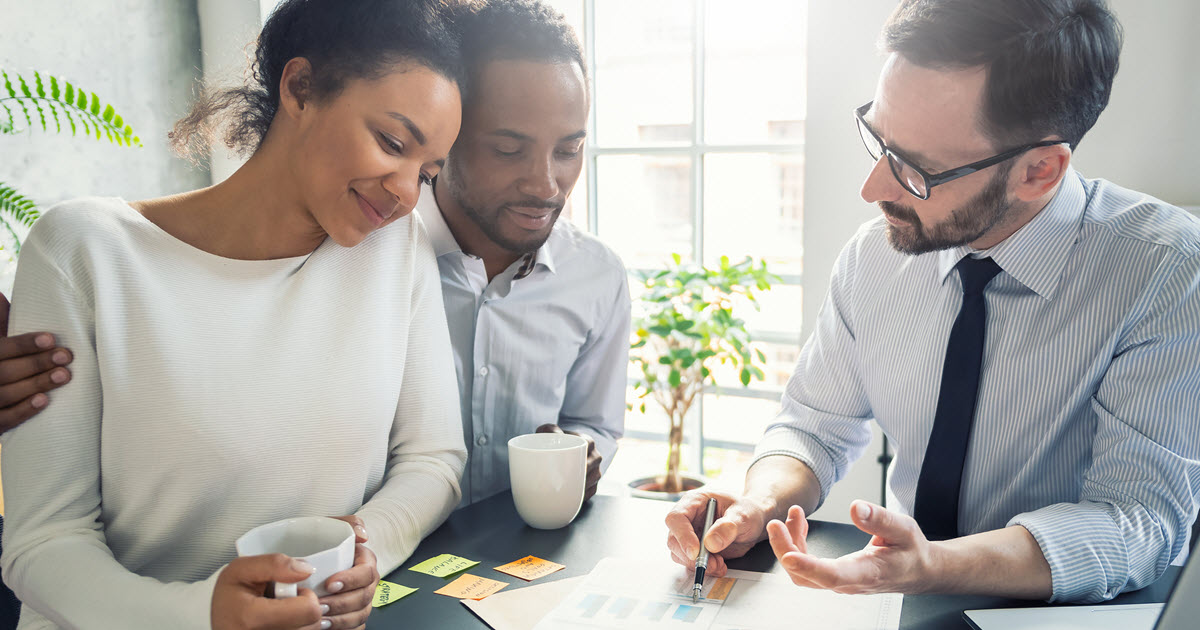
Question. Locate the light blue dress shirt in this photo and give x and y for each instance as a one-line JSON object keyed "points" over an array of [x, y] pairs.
{"points": [[1087, 429], [551, 346]]}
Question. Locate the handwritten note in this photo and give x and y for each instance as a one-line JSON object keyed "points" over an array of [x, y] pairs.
{"points": [[471, 587], [444, 565], [530, 568], [387, 592]]}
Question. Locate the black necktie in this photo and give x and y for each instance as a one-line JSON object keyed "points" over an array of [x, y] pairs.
{"points": [[936, 505]]}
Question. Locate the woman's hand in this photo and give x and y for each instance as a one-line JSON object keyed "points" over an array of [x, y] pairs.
{"points": [[351, 591], [238, 602]]}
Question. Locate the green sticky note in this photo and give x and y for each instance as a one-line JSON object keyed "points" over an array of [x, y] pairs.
{"points": [[387, 592], [444, 565]]}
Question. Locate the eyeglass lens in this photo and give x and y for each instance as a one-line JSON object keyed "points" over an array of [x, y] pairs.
{"points": [[903, 171]]}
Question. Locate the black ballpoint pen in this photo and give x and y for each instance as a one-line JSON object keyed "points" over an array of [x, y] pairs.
{"points": [[702, 557]]}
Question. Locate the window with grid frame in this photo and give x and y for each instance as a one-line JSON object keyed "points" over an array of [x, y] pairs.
{"points": [[696, 147]]}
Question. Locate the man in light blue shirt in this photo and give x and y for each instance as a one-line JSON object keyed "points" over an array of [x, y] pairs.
{"points": [[1076, 468], [538, 310]]}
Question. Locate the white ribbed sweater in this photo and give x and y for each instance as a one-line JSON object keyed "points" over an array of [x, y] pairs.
{"points": [[212, 395]]}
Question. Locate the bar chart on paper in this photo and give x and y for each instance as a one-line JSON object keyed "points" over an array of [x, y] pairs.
{"points": [[629, 594]]}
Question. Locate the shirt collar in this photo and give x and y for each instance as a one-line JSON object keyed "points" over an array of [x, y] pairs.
{"points": [[435, 224], [444, 242], [1037, 253]]}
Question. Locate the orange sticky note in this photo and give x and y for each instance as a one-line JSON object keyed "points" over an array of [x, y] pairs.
{"points": [[471, 587], [530, 568]]}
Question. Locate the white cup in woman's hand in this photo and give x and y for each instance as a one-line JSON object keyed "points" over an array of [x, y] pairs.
{"points": [[325, 543]]}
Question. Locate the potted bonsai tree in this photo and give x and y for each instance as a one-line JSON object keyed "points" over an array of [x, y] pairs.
{"points": [[685, 327]]}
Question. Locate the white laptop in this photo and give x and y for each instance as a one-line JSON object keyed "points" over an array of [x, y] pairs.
{"points": [[1181, 612]]}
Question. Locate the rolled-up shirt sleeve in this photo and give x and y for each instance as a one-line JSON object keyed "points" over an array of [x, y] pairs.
{"points": [[824, 417], [1138, 498]]}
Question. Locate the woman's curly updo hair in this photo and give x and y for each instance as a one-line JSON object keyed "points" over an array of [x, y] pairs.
{"points": [[342, 40]]}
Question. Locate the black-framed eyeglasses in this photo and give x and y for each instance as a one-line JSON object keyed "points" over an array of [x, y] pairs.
{"points": [[913, 178]]}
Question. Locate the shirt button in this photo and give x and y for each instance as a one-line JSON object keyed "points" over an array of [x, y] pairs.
{"points": [[483, 371], [481, 440]]}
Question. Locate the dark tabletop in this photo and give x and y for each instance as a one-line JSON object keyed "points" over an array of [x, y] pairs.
{"points": [[492, 533]]}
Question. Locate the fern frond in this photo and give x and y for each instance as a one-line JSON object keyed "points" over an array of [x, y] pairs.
{"points": [[20, 208], [60, 98]]}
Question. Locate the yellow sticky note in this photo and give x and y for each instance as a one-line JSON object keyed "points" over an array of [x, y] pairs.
{"points": [[530, 568], [444, 565], [387, 592], [471, 587]]}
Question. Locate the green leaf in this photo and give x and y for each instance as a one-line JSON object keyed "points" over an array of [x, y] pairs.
{"points": [[6, 125], [677, 258], [24, 87], [41, 90], [81, 100], [69, 94], [54, 91], [108, 113], [70, 119], [95, 104], [761, 357], [20, 208], [8, 86], [674, 378]]}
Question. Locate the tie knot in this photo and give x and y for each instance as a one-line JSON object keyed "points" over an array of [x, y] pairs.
{"points": [[976, 273]]}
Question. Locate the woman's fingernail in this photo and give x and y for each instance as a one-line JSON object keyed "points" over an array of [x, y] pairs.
{"points": [[38, 401], [362, 531], [299, 565], [58, 376], [43, 341], [335, 587], [863, 510], [61, 357], [325, 624], [324, 609]]}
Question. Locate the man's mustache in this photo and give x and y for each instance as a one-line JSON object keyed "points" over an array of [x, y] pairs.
{"points": [[897, 211]]}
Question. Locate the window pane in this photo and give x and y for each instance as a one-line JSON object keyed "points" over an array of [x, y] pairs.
{"points": [[781, 360], [753, 206], [576, 210], [727, 466], [754, 75], [644, 72], [644, 207], [736, 419]]}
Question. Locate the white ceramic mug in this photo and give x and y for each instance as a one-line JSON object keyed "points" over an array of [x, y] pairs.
{"points": [[548, 473], [325, 543]]}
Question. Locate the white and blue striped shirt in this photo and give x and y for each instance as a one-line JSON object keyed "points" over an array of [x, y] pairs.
{"points": [[1087, 430]]}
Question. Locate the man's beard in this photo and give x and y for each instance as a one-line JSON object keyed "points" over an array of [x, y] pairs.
{"points": [[966, 224], [488, 219]]}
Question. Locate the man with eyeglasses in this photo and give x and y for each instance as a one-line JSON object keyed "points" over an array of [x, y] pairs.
{"points": [[1028, 339]]}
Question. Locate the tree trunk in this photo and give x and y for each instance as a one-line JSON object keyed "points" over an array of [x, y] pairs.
{"points": [[672, 482]]}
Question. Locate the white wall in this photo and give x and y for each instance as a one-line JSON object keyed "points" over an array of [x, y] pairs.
{"points": [[142, 57], [1145, 140]]}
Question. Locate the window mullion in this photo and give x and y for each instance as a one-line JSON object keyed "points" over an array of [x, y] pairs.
{"points": [[697, 458]]}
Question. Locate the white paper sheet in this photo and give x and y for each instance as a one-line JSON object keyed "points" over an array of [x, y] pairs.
{"points": [[522, 608], [628, 594]]}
